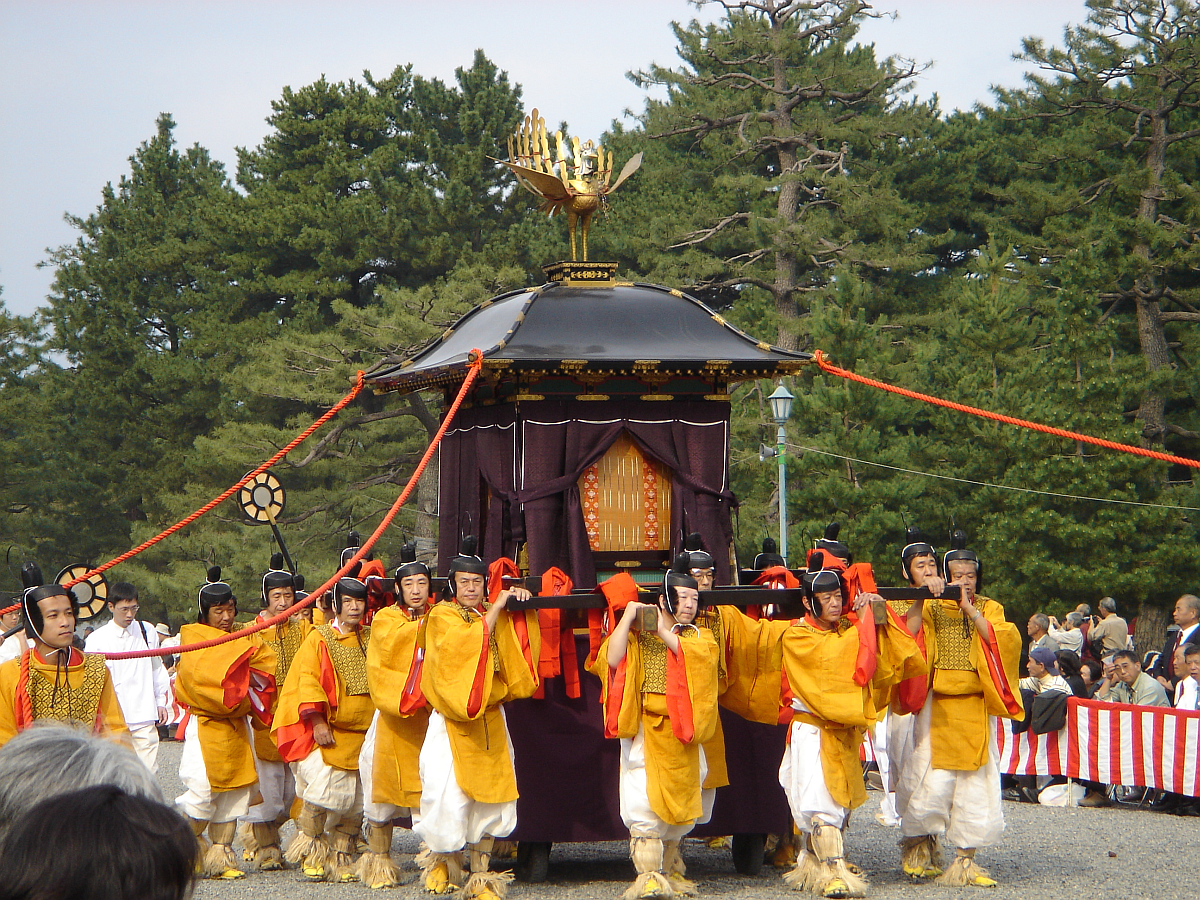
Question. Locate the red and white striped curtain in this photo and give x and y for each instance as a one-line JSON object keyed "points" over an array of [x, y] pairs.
{"points": [[1113, 743]]}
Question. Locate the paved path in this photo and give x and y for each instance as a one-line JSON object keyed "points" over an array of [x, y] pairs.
{"points": [[1047, 854]]}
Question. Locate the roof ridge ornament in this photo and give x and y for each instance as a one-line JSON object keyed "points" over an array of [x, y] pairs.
{"points": [[578, 183]]}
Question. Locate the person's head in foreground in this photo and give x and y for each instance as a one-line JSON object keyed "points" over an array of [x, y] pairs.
{"points": [[50, 759], [98, 843]]}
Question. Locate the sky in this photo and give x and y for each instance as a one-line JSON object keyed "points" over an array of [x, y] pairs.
{"points": [[81, 83]]}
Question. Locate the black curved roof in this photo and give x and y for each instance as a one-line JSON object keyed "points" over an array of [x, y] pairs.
{"points": [[611, 327]]}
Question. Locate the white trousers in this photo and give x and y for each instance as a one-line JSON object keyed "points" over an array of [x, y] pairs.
{"points": [[145, 744], [889, 736], [278, 788], [378, 813], [964, 805], [803, 780], [200, 801], [449, 819], [320, 784], [636, 812]]}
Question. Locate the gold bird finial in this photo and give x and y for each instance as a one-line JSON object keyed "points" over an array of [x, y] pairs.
{"points": [[578, 183]]}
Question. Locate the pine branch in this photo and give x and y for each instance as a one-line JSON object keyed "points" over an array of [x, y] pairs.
{"points": [[699, 237]]}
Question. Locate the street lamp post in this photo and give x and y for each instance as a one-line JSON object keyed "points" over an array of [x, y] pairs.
{"points": [[781, 408]]}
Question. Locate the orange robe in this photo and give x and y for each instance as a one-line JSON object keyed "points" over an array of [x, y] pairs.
{"points": [[394, 664], [315, 684], [285, 639], [676, 714], [467, 674], [972, 677], [220, 686], [87, 696], [836, 675]]}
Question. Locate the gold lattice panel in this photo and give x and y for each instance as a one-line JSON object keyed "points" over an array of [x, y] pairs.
{"points": [[626, 500]]}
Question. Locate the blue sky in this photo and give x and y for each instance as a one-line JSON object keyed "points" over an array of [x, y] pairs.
{"points": [[81, 83]]}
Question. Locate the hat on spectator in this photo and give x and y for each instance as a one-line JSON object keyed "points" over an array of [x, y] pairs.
{"points": [[164, 630], [1046, 657]]}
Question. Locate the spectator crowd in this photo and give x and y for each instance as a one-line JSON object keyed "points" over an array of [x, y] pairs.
{"points": [[1094, 657]]}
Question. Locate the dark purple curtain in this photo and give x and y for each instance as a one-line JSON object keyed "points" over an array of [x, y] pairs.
{"points": [[478, 491], [560, 439]]}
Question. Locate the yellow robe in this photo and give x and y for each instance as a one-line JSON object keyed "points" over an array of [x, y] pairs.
{"points": [[314, 683], [398, 736], [748, 677], [264, 747], [466, 677], [672, 763], [216, 686], [753, 665], [821, 669], [103, 715], [969, 682]]}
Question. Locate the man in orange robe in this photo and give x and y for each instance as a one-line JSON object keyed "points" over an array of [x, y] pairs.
{"points": [[477, 657], [702, 567], [389, 759], [276, 783], [838, 665], [324, 712], [660, 698], [54, 681], [220, 687], [949, 778]]}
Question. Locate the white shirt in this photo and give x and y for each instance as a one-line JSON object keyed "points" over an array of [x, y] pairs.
{"points": [[1046, 684], [141, 684], [1068, 640], [1187, 694], [13, 645]]}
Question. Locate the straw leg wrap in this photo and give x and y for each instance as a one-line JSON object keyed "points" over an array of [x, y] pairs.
{"points": [[249, 844], [443, 871], [198, 826], [483, 884], [309, 846], [806, 874], [219, 860], [675, 869], [921, 857], [647, 854], [835, 878], [267, 855], [376, 869], [345, 843], [965, 871]]}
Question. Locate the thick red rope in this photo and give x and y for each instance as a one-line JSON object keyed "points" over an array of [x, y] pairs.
{"points": [[826, 366], [472, 373], [217, 501]]}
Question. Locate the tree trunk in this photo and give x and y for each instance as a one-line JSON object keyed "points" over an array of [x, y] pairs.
{"points": [[1151, 336], [427, 488], [789, 201], [427, 514], [1150, 632]]}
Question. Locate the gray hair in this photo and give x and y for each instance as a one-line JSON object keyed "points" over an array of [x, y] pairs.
{"points": [[1074, 619], [1043, 621], [1083, 609], [1192, 602], [1108, 604], [50, 759]]}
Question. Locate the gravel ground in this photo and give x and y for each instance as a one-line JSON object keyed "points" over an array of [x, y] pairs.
{"points": [[1046, 854]]}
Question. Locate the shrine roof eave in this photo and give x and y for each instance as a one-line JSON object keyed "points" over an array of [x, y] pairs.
{"points": [[627, 327]]}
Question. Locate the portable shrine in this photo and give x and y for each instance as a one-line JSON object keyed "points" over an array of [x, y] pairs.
{"points": [[598, 430]]}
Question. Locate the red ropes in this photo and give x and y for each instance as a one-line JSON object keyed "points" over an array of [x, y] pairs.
{"points": [[217, 501], [819, 356], [472, 374]]}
